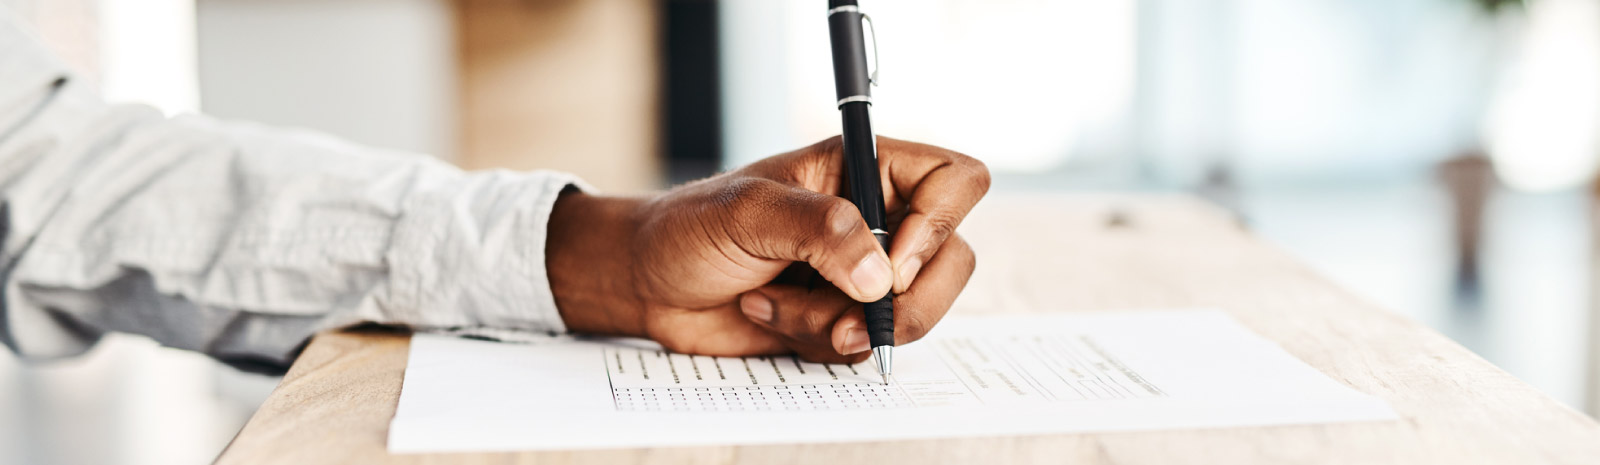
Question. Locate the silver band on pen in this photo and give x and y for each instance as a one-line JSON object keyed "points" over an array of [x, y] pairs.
{"points": [[856, 98]]}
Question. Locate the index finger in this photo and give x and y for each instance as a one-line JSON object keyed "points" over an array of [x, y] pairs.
{"points": [[938, 187]]}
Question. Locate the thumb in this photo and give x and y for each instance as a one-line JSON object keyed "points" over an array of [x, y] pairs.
{"points": [[781, 222]]}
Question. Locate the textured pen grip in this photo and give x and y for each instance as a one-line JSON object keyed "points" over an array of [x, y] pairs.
{"points": [[880, 314], [880, 321]]}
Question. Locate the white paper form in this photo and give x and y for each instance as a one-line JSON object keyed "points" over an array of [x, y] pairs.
{"points": [[1056, 373]]}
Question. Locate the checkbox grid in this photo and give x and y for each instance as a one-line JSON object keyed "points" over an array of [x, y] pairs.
{"points": [[804, 397]]}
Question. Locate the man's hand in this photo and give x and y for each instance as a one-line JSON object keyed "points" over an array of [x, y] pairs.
{"points": [[718, 266]]}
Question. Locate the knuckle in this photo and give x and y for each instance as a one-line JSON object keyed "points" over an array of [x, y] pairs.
{"points": [[963, 250], [839, 219], [914, 326], [977, 171], [826, 147], [972, 168], [962, 253], [943, 224], [815, 326]]}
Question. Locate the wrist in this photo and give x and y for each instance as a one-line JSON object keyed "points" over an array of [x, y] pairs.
{"points": [[589, 263]]}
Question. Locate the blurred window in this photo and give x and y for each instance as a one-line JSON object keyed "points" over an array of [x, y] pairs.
{"points": [[1019, 83]]}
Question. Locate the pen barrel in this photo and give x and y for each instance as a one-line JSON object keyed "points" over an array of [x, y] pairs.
{"points": [[849, 53], [861, 165], [860, 146]]}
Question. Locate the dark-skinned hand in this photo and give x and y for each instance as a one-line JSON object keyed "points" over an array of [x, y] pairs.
{"points": [[722, 266]]}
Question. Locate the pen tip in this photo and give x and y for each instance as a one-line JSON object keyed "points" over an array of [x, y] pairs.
{"points": [[885, 379]]}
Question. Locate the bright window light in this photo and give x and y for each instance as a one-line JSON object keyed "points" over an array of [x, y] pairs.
{"points": [[1017, 83], [147, 54], [1541, 130]]}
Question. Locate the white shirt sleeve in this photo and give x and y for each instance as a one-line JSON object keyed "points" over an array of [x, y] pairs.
{"points": [[241, 241]]}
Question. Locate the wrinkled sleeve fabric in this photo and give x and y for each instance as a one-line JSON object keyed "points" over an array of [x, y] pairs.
{"points": [[241, 241]]}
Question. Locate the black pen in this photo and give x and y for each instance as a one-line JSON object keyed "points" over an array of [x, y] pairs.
{"points": [[851, 80]]}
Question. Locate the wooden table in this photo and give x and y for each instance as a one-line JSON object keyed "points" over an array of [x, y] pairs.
{"points": [[1060, 253]]}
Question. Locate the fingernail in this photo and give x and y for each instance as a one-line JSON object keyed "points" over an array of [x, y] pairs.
{"points": [[908, 272], [855, 341], [756, 306], [872, 276]]}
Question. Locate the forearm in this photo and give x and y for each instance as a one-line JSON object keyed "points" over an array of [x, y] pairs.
{"points": [[239, 240], [232, 251]]}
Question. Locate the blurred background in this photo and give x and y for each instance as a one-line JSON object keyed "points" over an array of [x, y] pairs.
{"points": [[1434, 156]]}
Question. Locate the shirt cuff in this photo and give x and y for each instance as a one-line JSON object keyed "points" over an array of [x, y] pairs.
{"points": [[472, 261]]}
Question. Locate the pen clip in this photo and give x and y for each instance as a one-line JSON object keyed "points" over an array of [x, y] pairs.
{"points": [[872, 77]]}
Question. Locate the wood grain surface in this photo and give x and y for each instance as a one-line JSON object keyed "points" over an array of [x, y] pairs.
{"points": [[1053, 254]]}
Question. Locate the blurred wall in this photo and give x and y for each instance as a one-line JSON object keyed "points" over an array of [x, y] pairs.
{"points": [[522, 84], [568, 85], [379, 72]]}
